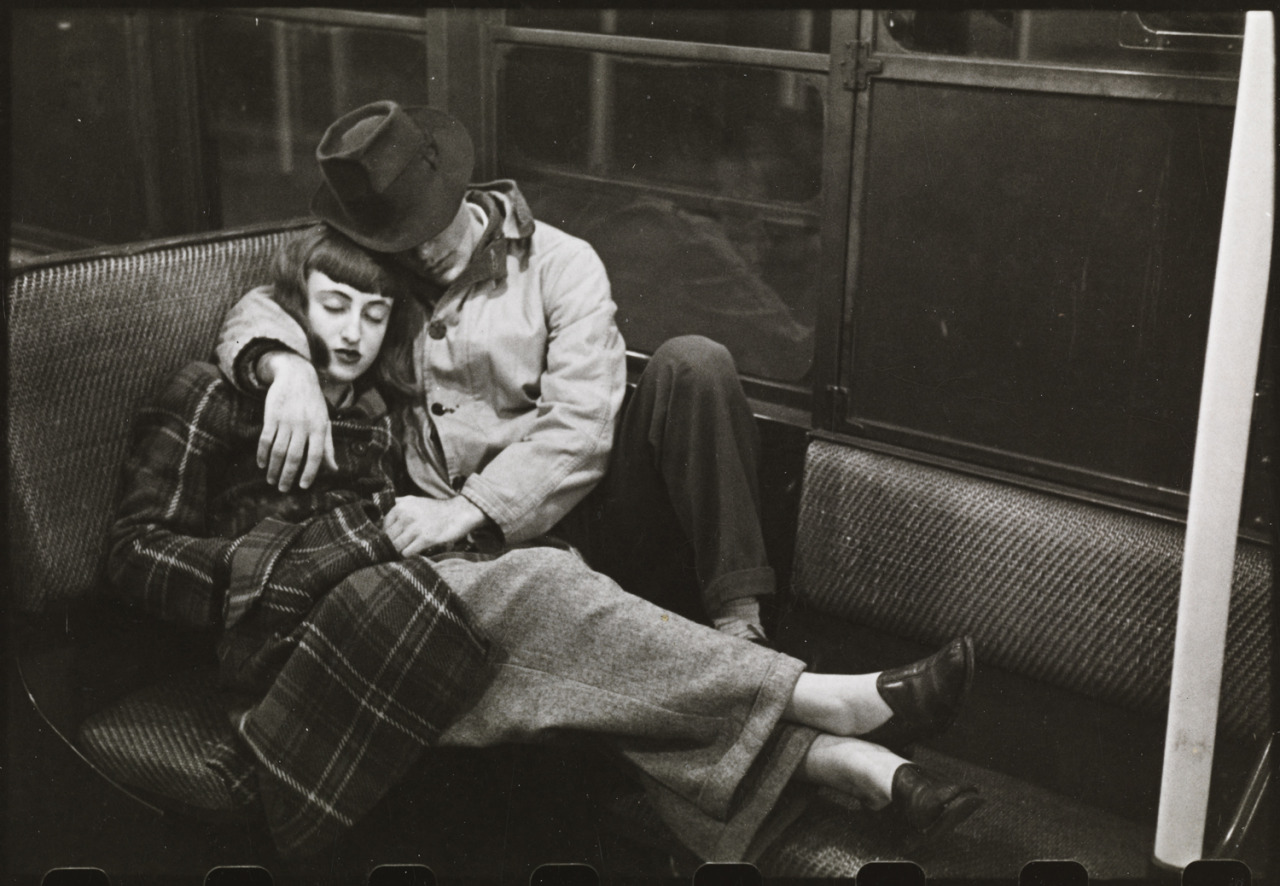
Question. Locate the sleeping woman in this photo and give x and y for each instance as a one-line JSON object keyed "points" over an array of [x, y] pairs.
{"points": [[340, 661]]}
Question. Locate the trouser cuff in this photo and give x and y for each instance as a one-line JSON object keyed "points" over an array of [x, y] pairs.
{"points": [[757, 582]]}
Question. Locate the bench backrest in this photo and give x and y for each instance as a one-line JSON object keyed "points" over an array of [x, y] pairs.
{"points": [[1081, 596], [91, 337]]}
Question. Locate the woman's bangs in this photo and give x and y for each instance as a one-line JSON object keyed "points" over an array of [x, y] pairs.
{"points": [[350, 265]]}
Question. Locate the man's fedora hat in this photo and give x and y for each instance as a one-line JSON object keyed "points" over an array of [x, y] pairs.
{"points": [[393, 177]]}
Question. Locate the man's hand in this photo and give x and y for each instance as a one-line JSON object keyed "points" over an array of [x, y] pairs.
{"points": [[295, 426], [416, 524]]}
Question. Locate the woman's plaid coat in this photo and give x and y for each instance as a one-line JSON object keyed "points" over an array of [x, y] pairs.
{"points": [[340, 660]]}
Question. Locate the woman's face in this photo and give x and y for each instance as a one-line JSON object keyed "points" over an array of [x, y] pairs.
{"points": [[351, 324]]}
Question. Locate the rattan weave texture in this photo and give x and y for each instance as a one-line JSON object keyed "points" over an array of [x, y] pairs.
{"points": [[1082, 597], [89, 342], [1019, 823], [175, 741]]}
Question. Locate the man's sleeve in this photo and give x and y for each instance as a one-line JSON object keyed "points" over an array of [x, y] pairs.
{"points": [[255, 325], [536, 481]]}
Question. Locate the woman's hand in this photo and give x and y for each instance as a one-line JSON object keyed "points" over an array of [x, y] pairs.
{"points": [[295, 426], [416, 524]]}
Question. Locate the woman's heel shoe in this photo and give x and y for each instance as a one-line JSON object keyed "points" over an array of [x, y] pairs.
{"points": [[925, 806], [925, 697]]}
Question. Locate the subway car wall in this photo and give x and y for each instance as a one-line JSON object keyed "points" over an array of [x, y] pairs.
{"points": [[979, 241]]}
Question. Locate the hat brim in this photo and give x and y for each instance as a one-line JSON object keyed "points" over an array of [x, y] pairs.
{"points": [[426, 200]]}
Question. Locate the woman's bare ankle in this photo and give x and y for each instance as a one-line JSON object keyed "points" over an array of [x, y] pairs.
{"points": [[838, 704], [851, 766]]}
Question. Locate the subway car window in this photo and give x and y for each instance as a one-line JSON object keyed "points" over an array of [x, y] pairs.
{"points": [[132, 124], [272, 86], [803, 29], [700, 185], [1204, 42], [1037, 256], [76, 156], [1039, 272]]}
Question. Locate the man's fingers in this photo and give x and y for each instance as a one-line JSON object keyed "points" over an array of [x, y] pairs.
{"points": [[318, 447], [417, 546], [330, 457], [292, 461], [276, 458], [264, 446], [402, 540]]}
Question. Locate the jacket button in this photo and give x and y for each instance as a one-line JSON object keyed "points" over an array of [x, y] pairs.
{"points": [[437, 409], [360, 448], [437, 329]]}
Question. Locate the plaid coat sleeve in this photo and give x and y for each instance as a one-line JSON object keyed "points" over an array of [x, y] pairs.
{"points": [[161, 557]]}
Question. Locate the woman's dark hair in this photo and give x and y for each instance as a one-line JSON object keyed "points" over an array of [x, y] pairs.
{"points": [[324, 249]]}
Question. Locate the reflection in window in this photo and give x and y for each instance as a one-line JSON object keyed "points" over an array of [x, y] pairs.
{"points": [[1203, 43], [699, 186], [273, 87], [1184, 22]]}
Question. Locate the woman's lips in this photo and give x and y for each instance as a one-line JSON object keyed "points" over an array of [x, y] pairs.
{"points": [[347, 355]]}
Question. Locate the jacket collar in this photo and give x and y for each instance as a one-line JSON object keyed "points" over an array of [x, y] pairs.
{"points": [[510, 223], [517, 223]]}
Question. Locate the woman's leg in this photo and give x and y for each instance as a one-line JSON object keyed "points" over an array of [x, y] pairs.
{"points": [[698, 714], [858, 768], [894, 707], [841, 704], [921, 805]]}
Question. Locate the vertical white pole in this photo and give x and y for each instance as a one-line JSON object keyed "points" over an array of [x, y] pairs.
{"points": [[1222, 436]]}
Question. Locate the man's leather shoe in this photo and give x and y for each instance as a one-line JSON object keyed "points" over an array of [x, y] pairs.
{"points": [[925, 697], [926, 806]]}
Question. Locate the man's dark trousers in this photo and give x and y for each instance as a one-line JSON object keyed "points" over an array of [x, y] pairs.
{"points": [[676, 519]]}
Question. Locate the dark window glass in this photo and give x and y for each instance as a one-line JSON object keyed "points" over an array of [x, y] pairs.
{"points": [[1036, 273], [76, 161], [1178, 42], [803, 29], [699, 185], [273, 87]]}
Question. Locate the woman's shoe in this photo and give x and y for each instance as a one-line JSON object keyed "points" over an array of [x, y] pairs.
{"points": [[926, 806], [925, 697]]}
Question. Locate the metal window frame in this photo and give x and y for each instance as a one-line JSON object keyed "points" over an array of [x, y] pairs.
{"points": [[653, 47], [319, 15], [1047, 77]]}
